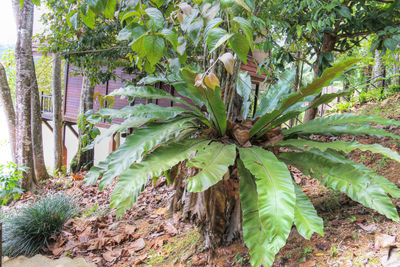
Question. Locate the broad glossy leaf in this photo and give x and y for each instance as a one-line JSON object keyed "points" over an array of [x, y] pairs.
{"points": [[254, 236], [158, 2], [194, 31], [272, 98], [246, 27], [343, 124], [317, 84], [243, 88], [97, 5], [171, 36], [347, 147], [295, 111], [156, 18], [109, 10], [333, 170], [154, 48], [93, 175], [132, 181], [88, 17], [133, 122], [143, 111], [276, 196], [240, 46], [213, 160], [148, 92], [131, 32], [327, 98], [211, 25], [313, 88], [216, 37], [216, 108], [306, 218], [139, 142]]}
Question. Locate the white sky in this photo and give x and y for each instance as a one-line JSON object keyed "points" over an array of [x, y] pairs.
{"points": [[8, 32]]}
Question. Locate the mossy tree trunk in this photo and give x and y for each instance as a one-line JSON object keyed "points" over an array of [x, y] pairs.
{"points": [[57, 113], [7, 104], [25, 83]]}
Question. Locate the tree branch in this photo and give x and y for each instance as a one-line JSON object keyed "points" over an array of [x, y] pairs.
{"points": [[355, 34], [95, 50]]}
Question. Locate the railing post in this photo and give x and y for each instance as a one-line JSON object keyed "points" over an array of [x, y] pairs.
{"points": [[41, 100]]}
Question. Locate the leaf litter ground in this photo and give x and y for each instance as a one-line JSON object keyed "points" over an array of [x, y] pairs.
{"points": [[148, 235]]}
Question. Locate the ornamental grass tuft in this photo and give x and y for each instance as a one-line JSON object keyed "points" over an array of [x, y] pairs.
{"points": [[28, 229]]}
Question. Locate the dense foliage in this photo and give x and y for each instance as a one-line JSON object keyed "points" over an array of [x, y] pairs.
{"points": [[10, 182], [198, 47], [27, 230]]}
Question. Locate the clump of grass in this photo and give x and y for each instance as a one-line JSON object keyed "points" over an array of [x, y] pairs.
{"points": [[27, 230]]}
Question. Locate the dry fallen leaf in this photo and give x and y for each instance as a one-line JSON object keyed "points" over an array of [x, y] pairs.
{"points": [[160, 211], [78, 177], [118, 238], [169, 228], [130, 229], [368, 228], [139, 244], [108, 256], [383, 240]]}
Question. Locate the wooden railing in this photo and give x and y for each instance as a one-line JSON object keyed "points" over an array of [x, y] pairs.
{"points": [[46, 103]]}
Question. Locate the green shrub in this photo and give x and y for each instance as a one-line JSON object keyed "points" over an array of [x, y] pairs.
{"points": [[27, 230], [10, 176]]}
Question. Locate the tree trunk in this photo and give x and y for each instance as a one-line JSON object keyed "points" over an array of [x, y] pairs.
{"points": [[216, 211], [311, 113], [378, 70], [84, 159], [6, 102], [57, 114], [24, 85], [37, 137], [296, 82], [396, 70]]}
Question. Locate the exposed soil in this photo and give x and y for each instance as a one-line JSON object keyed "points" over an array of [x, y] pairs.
{"points": [[145, 235]]}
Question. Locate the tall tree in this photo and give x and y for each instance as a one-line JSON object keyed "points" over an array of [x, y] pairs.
{"points": [[25, 84], [36, 127], [330, 26], [57, 113], [378, 70], [7, 103], [396, 69]]}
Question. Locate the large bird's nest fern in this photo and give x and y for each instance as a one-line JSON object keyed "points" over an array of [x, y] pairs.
{"points": [[271, 201]]}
